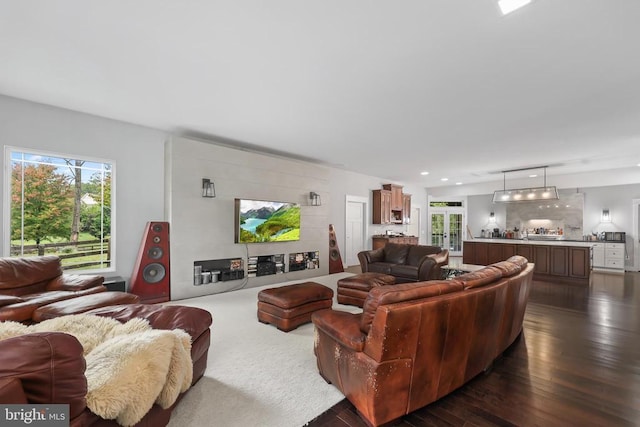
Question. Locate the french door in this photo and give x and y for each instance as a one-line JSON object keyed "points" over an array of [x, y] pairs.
{"points": [[446, 229]]}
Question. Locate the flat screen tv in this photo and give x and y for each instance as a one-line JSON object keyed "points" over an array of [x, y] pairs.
{"points": [[266, 221]]}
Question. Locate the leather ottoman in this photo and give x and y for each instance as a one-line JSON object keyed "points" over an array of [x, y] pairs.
{"points": [[81, 304], [354, 290], [290, 306]]}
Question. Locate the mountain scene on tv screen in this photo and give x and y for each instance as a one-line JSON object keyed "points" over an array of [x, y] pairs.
{"points": [[270, 222]]}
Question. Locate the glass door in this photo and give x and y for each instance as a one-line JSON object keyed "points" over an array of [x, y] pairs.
{"points": [[446, 230]]}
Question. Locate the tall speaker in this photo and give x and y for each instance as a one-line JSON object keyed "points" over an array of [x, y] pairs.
{"points": [[335, 260], [151, 278]]}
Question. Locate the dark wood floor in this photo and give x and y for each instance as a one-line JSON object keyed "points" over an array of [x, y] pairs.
{"points": [[576, 364]]}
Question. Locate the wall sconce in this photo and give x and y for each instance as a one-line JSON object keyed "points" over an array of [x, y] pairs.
{"points": [[208, 188], [492, 217], [314, 199], [606, 216]]}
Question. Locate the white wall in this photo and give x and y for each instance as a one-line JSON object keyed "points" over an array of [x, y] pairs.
{"points": [[136, 150]]}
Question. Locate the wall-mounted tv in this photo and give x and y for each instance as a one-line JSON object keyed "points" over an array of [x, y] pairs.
{"points": [[266, 221]]}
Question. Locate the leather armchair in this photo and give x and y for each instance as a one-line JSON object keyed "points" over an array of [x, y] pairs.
{"points": [[28, 283], [407, 263]]}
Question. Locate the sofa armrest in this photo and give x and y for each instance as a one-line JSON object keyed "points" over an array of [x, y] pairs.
{"points": [[429, 266], [426, 267], [49, 366], [342, 326], [367, 257], [74, 282]]}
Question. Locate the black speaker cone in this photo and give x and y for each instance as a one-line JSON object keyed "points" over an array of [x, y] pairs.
{"points": [[155, 252], [153, 273], [157, 228], [334, 254]]}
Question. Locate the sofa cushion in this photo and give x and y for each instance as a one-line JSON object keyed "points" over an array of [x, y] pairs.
{"points": [[405, 271], [403, 292], [479, 278], [381, 267], [507, 268], [9, 299], [23, 310], [192, 320], [19, 272], [519, 260], [417, 252], [396, 253]]}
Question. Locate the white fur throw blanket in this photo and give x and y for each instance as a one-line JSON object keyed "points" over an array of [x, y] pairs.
{"points": [[129, 366]]}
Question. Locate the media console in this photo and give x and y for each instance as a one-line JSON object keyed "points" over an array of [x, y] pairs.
{"points": [[214, 270]]}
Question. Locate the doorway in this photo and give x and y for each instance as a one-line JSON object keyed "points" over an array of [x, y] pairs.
{"points": [[446, 231], [355, 228], [447, 224]]}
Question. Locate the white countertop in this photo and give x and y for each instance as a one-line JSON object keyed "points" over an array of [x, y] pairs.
{"points": [[578, 243]]}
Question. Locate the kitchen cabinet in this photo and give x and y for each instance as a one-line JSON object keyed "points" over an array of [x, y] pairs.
{"points": [[388, 205], [508, 251], [494, 254], [396, 196], [541, 259], [381, 207], [557, 262], [380, 241], [598, 255], [608, 256], [579, 263], [406, 208], [525, 251], [475, 253]]}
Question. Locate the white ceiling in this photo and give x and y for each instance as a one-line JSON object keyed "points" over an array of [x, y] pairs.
{"points": [[385, 88]]}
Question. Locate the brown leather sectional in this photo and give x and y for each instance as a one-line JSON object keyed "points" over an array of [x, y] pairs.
{"points": [[49, 367], [416, 342], [407, 263], [29, 283]]}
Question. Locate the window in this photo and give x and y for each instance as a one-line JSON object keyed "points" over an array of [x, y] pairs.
{"points": [[60, 205]]}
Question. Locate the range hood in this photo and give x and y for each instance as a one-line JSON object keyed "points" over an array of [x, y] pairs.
{"points": [[528, 194]]}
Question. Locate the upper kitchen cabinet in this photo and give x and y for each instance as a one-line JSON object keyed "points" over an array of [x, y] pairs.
{"points": [[396, 196], [391, 206], [381, 207]]}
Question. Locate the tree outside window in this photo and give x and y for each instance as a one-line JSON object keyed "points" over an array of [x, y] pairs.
{"points": [[61, 206]]}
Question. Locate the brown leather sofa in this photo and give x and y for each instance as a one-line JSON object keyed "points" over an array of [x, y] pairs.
{"points": [[416, 342], [408, 263], [42, 368], [29, 283]]}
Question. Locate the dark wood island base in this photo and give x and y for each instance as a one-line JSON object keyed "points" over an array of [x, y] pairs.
{"points": [[567, 262]]}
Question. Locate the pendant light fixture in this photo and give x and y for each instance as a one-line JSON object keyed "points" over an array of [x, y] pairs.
{"points": [[530, 194]]}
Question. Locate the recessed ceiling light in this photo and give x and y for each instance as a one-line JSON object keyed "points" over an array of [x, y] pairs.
{"points": [[458, 183], [508, 6], [533, 176], [424, 173], [444, 179]]}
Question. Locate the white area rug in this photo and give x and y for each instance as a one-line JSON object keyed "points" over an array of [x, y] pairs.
{"points": [[256, 375]]}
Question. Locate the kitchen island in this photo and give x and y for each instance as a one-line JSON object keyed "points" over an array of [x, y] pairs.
{"points": [[555, 260]]}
